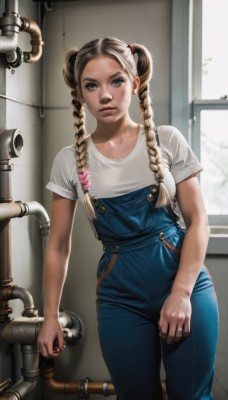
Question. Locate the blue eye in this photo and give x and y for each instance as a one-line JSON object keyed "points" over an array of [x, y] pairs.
{"points": [[90, 86], [118, 81]]}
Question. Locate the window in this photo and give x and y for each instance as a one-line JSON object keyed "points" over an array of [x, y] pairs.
{"points": [[199, 93], [210, 103]]}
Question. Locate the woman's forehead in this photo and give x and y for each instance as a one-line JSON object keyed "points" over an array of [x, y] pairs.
{"points": [[102, 64]]}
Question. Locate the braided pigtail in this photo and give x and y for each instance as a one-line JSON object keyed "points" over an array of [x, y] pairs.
{"points": [[144, 68], [80, 132]]}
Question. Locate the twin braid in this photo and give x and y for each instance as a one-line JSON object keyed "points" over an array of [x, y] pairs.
{"points": [[155, 159], [81, 152]]}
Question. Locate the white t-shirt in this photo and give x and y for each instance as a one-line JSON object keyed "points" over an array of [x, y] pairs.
{"points": [[111, 178]]}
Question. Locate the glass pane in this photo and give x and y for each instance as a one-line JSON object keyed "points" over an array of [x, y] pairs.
{"points": [[214, 158], [215, 49]]}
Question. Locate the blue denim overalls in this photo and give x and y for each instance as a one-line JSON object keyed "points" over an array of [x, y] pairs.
{"points": [[142, 245]]}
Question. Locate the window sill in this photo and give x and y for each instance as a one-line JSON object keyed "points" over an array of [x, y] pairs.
{"points": [[218, 242]]}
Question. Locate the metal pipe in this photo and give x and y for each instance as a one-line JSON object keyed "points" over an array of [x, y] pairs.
{"points": [[19, 390], [82, 387], [5, 385], [25, 330], [30, 373], [15, 292], [9, 25], [27, 299], [30, 26], [20, 209], [11, 6], [35, 208], [11, 210], [8, 43], [11, 145]]}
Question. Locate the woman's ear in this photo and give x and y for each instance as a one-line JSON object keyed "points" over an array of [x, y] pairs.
{"points": [[135, 85]]}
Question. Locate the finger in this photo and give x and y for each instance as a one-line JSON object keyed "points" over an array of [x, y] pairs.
{"points": [[171, 334], [43, 351], [163, 329], [61, 342], [179, 334], [52, 349], [186, 328]]}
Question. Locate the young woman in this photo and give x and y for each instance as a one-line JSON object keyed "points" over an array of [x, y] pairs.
{"points": [[154, 295]]}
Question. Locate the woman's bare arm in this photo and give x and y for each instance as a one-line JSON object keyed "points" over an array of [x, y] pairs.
{"points": [[57, 254], [176, 311]]}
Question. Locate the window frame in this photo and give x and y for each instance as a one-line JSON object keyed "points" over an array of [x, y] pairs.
{"points": [[186, 61]]}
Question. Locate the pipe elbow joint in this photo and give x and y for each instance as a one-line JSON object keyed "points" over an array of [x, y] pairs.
{"points": [[30, 26], [27, 299]]}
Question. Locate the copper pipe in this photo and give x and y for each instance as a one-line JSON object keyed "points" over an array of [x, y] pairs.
{"points": [[30, 26], [57, 386], [85, 387]]}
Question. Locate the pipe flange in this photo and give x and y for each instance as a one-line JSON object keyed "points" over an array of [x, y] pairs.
{"points": [[16, 61], [83, 387], [105, 389]]}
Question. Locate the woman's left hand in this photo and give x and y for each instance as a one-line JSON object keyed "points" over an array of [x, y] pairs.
{"points": [[175, 316]]}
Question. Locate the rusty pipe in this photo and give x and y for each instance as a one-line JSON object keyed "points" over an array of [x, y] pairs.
{"points": [[30, 26], [15, 292], [82, 387], [56, 386], [25, 296], [11, 145]]}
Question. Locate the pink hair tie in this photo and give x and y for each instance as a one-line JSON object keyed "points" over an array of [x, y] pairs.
{"points": [[86, 187], [84, 180], [131, 47], [82, 176]]}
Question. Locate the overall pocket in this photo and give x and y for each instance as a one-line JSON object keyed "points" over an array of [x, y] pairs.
{"points": [[105, 267], [173, 243]]}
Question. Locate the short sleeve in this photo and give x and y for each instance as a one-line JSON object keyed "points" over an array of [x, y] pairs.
{"points": [[62, 178], [183, 161]]}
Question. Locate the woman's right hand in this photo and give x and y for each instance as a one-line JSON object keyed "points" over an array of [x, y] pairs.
{"points": [[50, 340]]}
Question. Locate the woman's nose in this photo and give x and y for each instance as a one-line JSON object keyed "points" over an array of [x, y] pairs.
{"points": [[105, 96]]}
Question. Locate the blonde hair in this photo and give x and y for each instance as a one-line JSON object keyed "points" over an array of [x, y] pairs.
{"points": [[74, 64]]}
